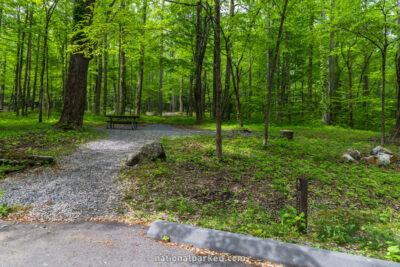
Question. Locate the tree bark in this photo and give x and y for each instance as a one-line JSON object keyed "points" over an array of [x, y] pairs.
{"points": [[74, 106], [33, 101], [97, 90], [272, 73], [141, 63], [105, 90], [310, 65], [181, 96], [217, 78], [27, 78]]}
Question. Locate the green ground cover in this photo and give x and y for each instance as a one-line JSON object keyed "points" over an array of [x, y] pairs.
{"points": [[354, 207], [26, 135]]}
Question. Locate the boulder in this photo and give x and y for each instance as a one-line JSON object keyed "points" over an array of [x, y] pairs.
{"points": [[379, 149], [346, 157], [355, 154], [150, 151], [381, 159]]}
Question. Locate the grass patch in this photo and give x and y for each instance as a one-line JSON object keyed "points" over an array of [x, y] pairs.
{"points": [[354, 207], [26, 135]]}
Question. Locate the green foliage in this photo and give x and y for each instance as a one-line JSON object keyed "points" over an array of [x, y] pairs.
{"points": [[252, 189]]}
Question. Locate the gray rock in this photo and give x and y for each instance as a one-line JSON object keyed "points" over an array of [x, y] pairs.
{"points": [[381, 159], [355, 154], [150, 151], [379, 149], [346, 157]]}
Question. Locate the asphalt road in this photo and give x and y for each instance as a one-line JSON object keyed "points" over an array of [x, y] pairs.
{"points": [[87, 244]]}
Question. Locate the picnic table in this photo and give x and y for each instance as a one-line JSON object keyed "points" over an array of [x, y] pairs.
{"points": [[130, 120]]}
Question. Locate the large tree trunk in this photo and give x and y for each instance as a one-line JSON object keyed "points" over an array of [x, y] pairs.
{"points": [[217, 79], [272, 73], [141, 64], [74, 106]]}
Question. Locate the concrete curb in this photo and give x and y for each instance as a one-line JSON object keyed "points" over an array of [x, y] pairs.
{"points": [[258, 248]]}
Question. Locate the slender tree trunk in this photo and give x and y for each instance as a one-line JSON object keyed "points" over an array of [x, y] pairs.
{"points": [[47, 85], [384, 54], [272, 73], [310, 65], [160, 86], [41, 90], [16, 85], [190, 97], [199, 57], [21, 96], [27, 77], [250, 75], [123, 88], [181, 96], [217, 78], [331, 74], [99, 78], [33, 101], [349, 69], [105, 91], [141, 63], [3, 84]]}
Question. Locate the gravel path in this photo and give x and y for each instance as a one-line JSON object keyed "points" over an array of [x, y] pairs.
{"points": [[82, 185]]}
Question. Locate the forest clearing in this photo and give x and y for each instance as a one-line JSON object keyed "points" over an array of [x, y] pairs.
{"points": [[222, 86]]}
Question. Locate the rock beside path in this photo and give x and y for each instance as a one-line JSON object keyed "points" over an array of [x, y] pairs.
{"points": [[150, 151]]}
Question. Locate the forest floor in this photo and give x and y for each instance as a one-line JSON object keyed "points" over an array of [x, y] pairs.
{"points": [[354, 207], [82, 185]]}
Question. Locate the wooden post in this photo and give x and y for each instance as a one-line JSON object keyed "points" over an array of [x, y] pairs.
{"points": [[302, 204]]}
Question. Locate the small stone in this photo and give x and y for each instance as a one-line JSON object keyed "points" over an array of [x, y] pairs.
{"points": [[346, 158], [355, 154]]}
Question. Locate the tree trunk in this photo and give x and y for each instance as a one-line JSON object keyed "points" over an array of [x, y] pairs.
{"points": [[331, 74], [74, 106], [41, 90], [47, 85], [384, 54], [141, 64], [310, 66], [199, 57], [190, 97], [217, 78], [98, 85], [105, 91], [181, 96], [27, 78], [3, 84], [272, 73], [33, 101], [123, 89]]}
